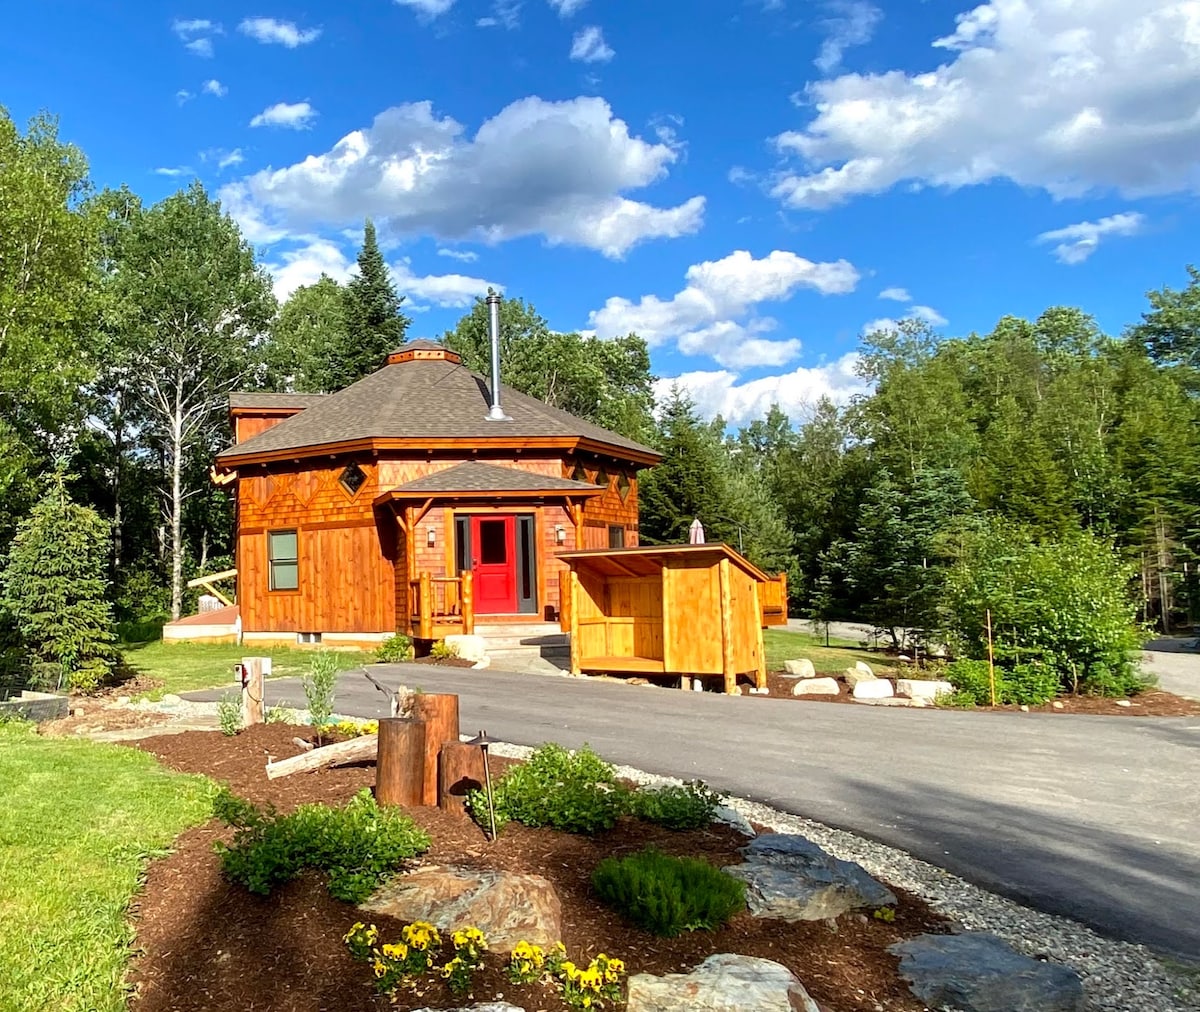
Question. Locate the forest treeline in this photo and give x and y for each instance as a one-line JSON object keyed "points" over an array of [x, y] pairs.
{"points": [[125, 325]]}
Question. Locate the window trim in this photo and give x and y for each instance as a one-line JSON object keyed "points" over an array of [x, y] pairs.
{"points": [[272, 561]]}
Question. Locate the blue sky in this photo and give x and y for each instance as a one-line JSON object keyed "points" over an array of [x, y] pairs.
{"points": [[747, 183]]}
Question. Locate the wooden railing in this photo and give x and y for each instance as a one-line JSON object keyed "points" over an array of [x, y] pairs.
{"points": [[441, 605], [773, 600]]}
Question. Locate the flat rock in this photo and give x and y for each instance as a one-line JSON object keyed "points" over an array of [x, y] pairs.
{"points": [[469, 647], [487, 1006], [801, 667], [922, 688], [856, 676], [816, 687], [722, 983], [978, 972], [505, 906], [875, 688], [734, 819], [916, 704], [791, 878]]}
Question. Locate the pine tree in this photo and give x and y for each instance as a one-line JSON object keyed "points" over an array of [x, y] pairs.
{"points": [[374, 324], [54, 589]]}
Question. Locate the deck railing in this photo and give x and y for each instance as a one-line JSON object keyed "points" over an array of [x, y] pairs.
{"points": [[441, 605], [773, 600]]}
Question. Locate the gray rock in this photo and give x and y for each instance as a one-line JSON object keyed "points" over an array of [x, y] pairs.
{"points": [[802, 667], [170, 699], [487, 1006], [978, 972], [816, 687], [864, 667], [876, 688], [734, 819], [722, 983], [793, 879], [921, 688], [915, 703], [505, 906], [856, 676]]}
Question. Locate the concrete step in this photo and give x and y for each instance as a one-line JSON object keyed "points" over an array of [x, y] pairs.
{"points": [[514, 637]]}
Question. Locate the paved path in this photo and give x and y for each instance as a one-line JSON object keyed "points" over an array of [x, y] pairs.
{"points": [[1092, 817], [1175, 661]]}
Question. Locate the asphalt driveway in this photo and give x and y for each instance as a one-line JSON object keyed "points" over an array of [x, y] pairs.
{"points": [[1092, 817]]}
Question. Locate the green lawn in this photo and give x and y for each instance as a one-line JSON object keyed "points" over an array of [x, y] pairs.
{"points": [[78, 824], [782, 645], [183, 667]]}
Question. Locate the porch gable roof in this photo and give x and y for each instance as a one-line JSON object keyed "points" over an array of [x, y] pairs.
{"points": [[476, 478]]}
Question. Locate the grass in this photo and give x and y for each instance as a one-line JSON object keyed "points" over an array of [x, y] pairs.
{"points": [[78, 824], [184, 667], [783, 644]]}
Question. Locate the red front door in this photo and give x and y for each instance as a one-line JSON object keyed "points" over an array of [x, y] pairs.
{"points": [[494, 561]]}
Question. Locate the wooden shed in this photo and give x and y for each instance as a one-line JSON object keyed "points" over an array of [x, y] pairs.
{"points": [[686, 610]]}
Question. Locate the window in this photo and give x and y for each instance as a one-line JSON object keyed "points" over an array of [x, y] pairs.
{"points": [[284, 560], [624, 485], [616, 536], [579, 474], [308, 637], [352, 479], [602, 478]]}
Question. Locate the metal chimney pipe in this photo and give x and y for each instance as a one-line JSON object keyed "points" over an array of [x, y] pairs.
{"points": [[493, 303]]}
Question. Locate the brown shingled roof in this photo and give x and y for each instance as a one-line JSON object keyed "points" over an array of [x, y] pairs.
{"points": [[474, 476], [256, 400], [421, 399]]}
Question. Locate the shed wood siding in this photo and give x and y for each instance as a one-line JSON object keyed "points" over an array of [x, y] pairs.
{"points": [[609, 509], [249, 426]]}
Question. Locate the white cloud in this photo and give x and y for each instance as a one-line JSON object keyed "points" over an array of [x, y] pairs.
{"points": [[896, 294], [214, 87], [195, 34], [1078, 242], [183, 95], [454, 291], [427, 8], [926, 314], [1067, 97], [293, 115], [852, 23], [588, 46], [230, 158], [281, 33], [505, 14], [929, 315], [465, 255], [796, 392], [704, 318], [305, 265], [173, 171], [557, 169], [566, 8]]}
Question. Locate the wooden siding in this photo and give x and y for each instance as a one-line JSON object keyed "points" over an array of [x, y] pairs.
{"points": [[247, 426], [608, 508], [691, 599]]}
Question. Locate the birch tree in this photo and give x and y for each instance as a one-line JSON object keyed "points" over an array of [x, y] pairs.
{"points": [[195, 307]]}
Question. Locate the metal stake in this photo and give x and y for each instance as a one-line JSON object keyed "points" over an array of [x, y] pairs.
{"points": [[483, 741]]}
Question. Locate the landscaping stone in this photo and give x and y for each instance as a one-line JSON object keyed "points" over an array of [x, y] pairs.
{"points": [[722, 983], [468, 647], [920, 688], [816, 687], [505, 906], [876, 688], [791, 878], [855, 676], [864, 667], [487, 1006], [978, 972], [916, 704], [802, 667], [734, 819], [1124, 702]]}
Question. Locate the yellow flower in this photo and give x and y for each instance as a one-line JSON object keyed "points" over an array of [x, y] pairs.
{"points": [[380, 968], [396, 951]]}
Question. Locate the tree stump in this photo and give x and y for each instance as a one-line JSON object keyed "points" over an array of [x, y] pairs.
{"points": [[439, 713], [252, 692], [400, 762], [460, 771]]}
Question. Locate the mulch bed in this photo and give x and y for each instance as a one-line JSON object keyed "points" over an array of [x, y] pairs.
{"points": [[206, 944]]}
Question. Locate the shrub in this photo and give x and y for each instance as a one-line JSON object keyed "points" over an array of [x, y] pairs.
{"points": [[319, 685], [394, 649], [358, 845], [668, 895], [1028, 684], [690, 806], [572, 791], [279, 715], [229, 715], [443, 651]]}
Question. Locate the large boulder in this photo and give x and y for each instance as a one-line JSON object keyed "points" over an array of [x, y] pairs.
{"points": [[920, 688], [978, 972], [801, 667], [722, 983], [468, 647], [864, 667], [855, 676], [505, 906], [816, 687], [791, 878], [876, 688]]}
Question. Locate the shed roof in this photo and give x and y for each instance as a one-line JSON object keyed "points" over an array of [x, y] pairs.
{"points": [[644, 560], [251, 401], [423, 399], [474, 476]]}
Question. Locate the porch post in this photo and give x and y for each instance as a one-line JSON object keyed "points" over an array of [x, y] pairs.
{"points": [[468, 601], [426, 598]]}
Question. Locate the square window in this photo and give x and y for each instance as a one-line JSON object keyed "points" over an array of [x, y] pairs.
{"points": [[616, 536], [352, 479], [284, 560]]}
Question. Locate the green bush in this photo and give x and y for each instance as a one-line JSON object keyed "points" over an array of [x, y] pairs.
{"points": [[668, 895], [319, 685], [358, 845], [229, 715], [443, 651], [690, 806], [573, 791], [394, 649], [1028, 684]]}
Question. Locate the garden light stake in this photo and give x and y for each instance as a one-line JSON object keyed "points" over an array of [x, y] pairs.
{"points": [[483, 741]]}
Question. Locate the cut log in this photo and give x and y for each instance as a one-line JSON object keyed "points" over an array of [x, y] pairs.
{"points": [[439, 712], [354, 750], [460, 771], [400, 767], [252, 692], [300, 743]]}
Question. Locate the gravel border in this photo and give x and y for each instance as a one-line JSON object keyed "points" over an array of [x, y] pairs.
{"points": [[1117, 976]]}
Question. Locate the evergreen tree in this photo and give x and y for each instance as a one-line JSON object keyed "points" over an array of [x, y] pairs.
{"points": [[374, 324], [53, 588], [308, 339]]}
